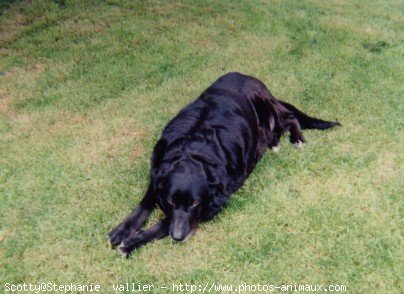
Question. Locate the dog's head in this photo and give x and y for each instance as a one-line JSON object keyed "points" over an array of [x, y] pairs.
{"points": [[182, 197]]}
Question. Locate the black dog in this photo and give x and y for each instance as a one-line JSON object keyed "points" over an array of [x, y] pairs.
{"points": [[206, 153]]}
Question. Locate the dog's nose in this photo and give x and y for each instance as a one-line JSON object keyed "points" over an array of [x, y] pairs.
{"points": [[177, 237]]}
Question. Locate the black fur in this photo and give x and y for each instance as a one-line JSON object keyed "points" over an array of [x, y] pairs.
{"points": [[206, 153]]}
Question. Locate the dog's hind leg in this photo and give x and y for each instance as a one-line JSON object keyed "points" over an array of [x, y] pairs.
{"points": [[296, 135], [138, 239], [135, 220], [274, 142]]}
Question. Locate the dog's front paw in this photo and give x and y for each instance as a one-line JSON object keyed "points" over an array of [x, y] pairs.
{"points": [[118, 234], [128, 245]]}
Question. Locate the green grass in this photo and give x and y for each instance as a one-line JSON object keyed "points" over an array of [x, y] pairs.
{"points": [[87, 86]]}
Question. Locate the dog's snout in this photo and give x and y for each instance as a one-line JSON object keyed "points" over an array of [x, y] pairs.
{"points": [[177, 236], [178, 231], [180, 225]]}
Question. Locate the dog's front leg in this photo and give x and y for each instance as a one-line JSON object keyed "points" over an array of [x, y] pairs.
{"points": [[138, 239], [135, 220]]}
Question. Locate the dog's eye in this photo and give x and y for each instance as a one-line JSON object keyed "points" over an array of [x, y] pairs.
{"points": [[195, 203], [170, 201]]}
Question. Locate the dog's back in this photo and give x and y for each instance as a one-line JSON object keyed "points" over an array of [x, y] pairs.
{"points": [[221, 127]]}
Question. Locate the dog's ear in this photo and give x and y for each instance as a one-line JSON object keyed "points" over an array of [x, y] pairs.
{"points": [[158, 154], [217, 181], [216, 189], [157, 183]]}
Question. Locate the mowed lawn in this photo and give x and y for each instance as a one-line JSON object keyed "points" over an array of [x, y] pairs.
{"points": [[86, 88]]}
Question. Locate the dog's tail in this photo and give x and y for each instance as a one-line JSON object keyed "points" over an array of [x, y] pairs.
{"points": [[308, 122]]}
